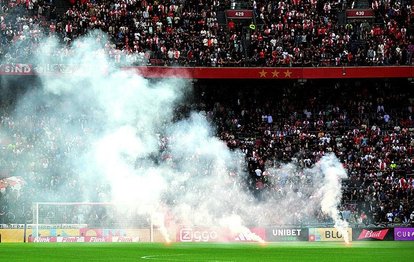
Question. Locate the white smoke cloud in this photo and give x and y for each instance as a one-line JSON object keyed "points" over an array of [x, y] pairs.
{"points": [[102, 126], [334, 173]]}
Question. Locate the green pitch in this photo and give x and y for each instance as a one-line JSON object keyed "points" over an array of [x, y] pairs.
{"points": [[303, 251]]}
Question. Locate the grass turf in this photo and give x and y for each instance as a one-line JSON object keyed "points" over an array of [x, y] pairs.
{"points": [[298, 251]]}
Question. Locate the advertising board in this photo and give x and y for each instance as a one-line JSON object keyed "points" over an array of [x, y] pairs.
{"points": [[12, 235], [328, 234], [372, 234], [216, 234], [404, 234], [82, 239], [275, 234]]}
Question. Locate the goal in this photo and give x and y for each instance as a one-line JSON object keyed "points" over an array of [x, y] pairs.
{"points": [[86, 215]]}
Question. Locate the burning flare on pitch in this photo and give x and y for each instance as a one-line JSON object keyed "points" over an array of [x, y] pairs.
{"points": [[235, 224]]}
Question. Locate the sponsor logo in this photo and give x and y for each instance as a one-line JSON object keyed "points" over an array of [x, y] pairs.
{"points": [[42, 240], [404, 234], [83, 239], [125, 239], [255, 234], [97, 239], [333, 234], [378, 234], [247, 236], [197, 235], [328, 234], [286, 232], [70, 239]]}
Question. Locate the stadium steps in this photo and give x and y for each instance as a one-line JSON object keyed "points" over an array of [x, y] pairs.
{"points": [[355, 44], [341, 17], [62, 6], [362, 4], [221, 18]]}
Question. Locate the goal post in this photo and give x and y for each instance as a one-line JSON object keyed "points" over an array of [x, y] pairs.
{"points": [[89, 215]]}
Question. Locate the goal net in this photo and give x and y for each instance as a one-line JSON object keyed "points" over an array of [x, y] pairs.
{"points": [[102, 219]]}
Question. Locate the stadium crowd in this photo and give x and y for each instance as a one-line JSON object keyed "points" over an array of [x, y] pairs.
{"points": [[369, 127], [195, 33]]}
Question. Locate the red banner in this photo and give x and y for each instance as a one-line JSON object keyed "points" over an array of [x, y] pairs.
{"points": [[239, 14], [377, 234], [360, 13], [268, 73], [276, 73]]}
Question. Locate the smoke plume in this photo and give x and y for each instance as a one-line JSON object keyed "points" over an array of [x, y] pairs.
{"points": [[98, 133], [331, 192]]}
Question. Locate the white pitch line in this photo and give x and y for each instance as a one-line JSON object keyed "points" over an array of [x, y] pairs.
{"points": [[163, 257], [168, 258]]}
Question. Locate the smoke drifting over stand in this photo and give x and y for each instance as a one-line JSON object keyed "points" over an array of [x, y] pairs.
{"points": [[111, 135]]}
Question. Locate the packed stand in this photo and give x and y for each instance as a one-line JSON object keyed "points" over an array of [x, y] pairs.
{"points": [[188, 33], [309, 33], [367, 125]]}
